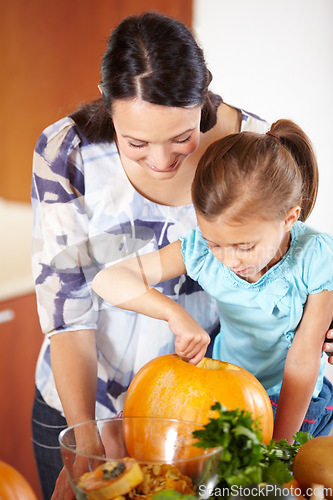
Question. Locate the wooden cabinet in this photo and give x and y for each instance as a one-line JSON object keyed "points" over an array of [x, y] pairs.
{"points": [[49, 66], [21, 339], [50, 63]]}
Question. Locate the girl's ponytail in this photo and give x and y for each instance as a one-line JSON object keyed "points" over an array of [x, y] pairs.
{"points": [[292, 137]]}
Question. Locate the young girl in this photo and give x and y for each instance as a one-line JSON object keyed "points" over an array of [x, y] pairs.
{"points": [[271, 275]]}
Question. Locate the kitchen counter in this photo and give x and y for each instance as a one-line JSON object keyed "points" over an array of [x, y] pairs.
{"points": [[15, 249]]}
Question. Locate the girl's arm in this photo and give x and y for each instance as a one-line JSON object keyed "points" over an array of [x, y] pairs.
{"points": [[302, 365], [128, 285]]}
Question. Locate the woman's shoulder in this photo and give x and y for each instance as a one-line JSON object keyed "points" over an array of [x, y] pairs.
{"points": [[252, 122], [57, 137], [231, 119], [64, 136], [58, 128]]}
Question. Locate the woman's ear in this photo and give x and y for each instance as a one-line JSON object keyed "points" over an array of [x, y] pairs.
{"points": [[292, 217]]}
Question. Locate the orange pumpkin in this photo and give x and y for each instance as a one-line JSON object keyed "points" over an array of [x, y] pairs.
{"points": [[13, 486], [170, 387], [162, 439], [313, 466]]}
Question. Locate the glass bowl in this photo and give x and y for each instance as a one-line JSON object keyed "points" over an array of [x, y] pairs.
{"points": [[136, 457]]}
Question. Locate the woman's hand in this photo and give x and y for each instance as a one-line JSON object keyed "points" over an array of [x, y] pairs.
{"points": [[328, 346], [90, 443], [63, 489], [191, 339], [74, 358]]}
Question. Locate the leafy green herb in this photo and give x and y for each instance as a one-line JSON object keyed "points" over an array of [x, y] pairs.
{"points": [[173, 495], [245, 459]]}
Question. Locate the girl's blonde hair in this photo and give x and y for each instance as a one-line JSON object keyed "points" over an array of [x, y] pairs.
{"points": [[249, 174]]}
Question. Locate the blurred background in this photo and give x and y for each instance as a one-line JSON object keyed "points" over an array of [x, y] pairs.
{"points": [[273, 58]]}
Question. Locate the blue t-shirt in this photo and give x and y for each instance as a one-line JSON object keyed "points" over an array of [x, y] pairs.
{"points": [[259, 320]]}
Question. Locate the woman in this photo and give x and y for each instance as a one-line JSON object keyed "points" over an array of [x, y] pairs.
{"points": [[111, 180]]}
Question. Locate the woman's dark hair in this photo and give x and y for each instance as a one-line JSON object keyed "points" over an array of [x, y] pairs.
{"points": [[156, 58], [249, 174]]}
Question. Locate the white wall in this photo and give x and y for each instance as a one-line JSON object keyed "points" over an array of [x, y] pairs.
{"points": [[275, 58]]}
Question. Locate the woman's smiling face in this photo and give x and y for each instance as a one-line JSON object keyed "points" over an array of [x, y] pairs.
{"points": [[156, 138]]}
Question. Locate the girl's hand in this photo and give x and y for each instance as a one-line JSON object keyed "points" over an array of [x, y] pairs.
{"points": [[328, 346], [191, 339]]}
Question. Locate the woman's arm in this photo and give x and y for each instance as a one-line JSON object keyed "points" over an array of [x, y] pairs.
{"points": [[74, 366], [302, 365], [128, 285]]}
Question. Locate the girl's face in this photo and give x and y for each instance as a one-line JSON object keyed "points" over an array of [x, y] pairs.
{"points": [[251, 248], [155, 138]]}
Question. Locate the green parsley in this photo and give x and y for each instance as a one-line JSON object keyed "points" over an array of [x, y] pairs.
{"points": [[245, 459], [173, 495]]}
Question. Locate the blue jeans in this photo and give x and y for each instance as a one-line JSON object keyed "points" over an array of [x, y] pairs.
{"points": [[319, 417], [46, 425]]}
